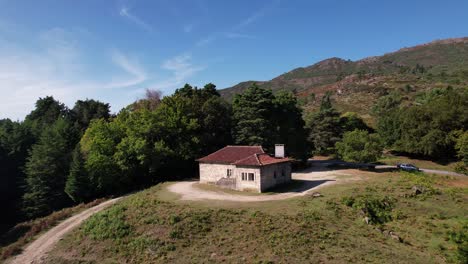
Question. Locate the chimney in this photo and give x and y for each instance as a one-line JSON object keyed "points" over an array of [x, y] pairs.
{"points": [[279, 150]]}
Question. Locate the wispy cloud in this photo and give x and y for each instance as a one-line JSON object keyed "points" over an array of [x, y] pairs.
{"points": [[232, 35], [256, 15], [58, 68], [131, 67], [182, 69], [125, 12]]}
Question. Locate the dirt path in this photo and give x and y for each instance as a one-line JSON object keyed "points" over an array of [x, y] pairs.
{"points": [[311, 180], [36, 251]]}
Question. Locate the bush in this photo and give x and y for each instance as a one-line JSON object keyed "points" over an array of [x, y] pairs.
{"points": [[109, 224], [379, 210], [461, 167], [460, 238]]}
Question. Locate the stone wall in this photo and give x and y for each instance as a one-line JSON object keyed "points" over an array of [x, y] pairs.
{"points": [[212, 173], [283, 175], [264, 177], [248, 185]]}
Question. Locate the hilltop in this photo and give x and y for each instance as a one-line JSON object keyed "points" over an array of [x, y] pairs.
{"points": [[357, 84]]}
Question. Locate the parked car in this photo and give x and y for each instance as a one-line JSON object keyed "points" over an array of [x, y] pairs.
{"points": [[407, 167]]}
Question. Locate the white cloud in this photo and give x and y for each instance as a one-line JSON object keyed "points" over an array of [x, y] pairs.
{"points": [[130, 66], [57, 69], [125, 12], [182, 69]]}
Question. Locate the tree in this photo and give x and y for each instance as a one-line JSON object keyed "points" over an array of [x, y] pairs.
{"points": [[216, 124], [424, 127], [98, 145], [78, 186], [325, 104], [46, 170], [462, 147], [15, 141], [351, 121], [290, 125], [47, 111], [252, 117], [85, 111], [325, 128], [150, 102], [386, 110], [359, 146]]}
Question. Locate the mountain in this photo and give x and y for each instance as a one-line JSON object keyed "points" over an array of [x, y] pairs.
{"points": [[356, 85]]}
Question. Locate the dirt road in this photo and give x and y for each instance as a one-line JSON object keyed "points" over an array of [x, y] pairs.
{"points": [[36, 251], [310, 180]]}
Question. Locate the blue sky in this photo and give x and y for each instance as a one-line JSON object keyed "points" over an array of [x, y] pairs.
{"points": [[113, 50]]}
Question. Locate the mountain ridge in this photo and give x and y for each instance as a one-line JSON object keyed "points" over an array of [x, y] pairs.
{"points": [[409, 70]]}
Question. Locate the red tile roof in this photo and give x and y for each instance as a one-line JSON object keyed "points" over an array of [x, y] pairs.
{"points": [[242, 155], [231, 154], [260, 159]]}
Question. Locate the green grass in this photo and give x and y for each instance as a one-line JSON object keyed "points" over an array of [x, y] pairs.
{"points": [[12, 242], [159, 228], [426, 164]]}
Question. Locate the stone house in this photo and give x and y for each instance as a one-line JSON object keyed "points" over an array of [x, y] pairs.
{"points": [[245, 168]]}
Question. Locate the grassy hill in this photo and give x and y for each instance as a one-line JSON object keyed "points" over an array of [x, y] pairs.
{"points": [[153, 226], [357, 84]]}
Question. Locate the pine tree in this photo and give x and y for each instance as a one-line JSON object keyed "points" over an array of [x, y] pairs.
{"points": [[78, 186], [46, 171], [252, 114]]}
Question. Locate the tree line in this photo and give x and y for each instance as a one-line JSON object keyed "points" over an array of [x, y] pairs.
{"points": [[58, 156]]}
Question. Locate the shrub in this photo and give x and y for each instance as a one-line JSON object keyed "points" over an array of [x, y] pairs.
{"points": [[461, 167], [109, 224], [460, 238], [379, 210]]}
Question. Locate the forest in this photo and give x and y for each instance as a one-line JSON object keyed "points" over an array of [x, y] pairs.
{"points": [[59, 156]]}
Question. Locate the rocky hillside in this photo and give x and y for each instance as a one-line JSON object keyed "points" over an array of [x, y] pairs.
{"points": [[357, 84]]}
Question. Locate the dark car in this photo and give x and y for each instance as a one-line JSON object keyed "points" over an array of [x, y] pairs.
{"points": [[407, 167]]}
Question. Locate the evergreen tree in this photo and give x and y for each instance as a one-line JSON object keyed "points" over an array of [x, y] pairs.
{"points": [[252, 117], [47, 111], [85, 111], [46, 170], [290, 125], [325, 128], [78, 186]]}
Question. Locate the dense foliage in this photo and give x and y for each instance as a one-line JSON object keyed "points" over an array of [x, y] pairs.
{"points": [[327, 126], [359, 146], [59, 156], [427, 127], [263, 118]]}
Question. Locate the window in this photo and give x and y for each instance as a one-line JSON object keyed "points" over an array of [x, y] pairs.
{"points": [[251, 177], [229, 173], [283, 173], [248, 176], [274, 174]]}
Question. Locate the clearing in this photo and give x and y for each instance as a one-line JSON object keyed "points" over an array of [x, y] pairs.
{"points": [[156, 226], [302, 183]]}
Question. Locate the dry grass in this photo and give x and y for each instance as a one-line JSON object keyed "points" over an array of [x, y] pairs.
{"points": [[300, 230], [16, 238]]}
